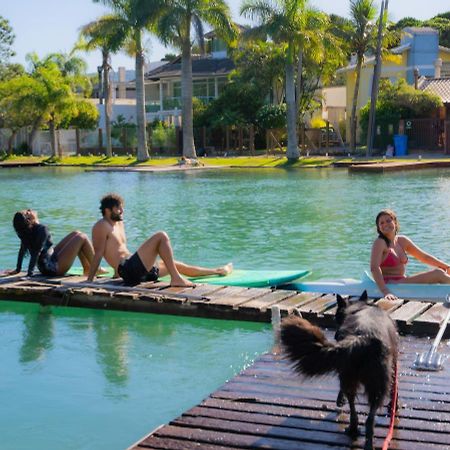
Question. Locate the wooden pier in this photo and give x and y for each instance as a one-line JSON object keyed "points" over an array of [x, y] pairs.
{"points": [[221, 302], [269, 406], [391, 166]]}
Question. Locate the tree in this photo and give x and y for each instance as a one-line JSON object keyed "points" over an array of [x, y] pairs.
{"points": [[288, 24], [442, 25], [106, 35], [6, 40], [17, 106], [362, 38], [45, 97], [132, 18], [69, 67], [9, 71], [262, 65], [174, 28]]}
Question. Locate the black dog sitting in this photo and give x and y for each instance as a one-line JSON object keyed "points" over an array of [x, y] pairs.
{"points": [[365, 353]]}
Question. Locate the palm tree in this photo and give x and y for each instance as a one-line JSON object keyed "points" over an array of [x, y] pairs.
{"points": [[287, 23], [361, 37], [132, 18], [174, 28], [104, 34]]}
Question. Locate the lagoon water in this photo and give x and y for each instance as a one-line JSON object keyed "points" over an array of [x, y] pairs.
{"points": [[81, 379]]}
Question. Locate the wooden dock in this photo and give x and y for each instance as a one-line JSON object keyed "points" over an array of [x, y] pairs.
{"points": [[211, 301], [269, 406], [381, 167]]}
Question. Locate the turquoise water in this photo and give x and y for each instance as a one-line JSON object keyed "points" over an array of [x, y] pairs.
{"points": [[84, 379], [81, 379], [319, 219]]}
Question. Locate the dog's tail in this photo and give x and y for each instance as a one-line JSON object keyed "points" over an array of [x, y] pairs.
{"points": [[313, 355], [308, 348]]}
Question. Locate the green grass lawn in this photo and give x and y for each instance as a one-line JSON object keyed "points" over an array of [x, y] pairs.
{"points": [[261, 161]]}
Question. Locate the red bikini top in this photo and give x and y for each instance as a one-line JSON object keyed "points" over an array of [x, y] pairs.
{"points": [[393, 260]]}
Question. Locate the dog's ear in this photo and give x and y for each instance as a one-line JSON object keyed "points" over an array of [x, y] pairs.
{"points": [[363, 297], [342, 303]]}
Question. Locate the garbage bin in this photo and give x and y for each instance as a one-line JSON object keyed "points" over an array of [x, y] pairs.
{"points": [[401, 144]]}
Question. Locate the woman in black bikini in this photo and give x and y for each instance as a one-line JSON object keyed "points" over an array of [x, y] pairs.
{"points": [[51, 260]]}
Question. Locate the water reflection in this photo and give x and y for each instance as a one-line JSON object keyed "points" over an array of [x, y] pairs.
{"points": [[37, 334]]}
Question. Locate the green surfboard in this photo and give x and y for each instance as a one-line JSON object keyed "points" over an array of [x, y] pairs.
{"points": [[239, 277], [252, 278]]}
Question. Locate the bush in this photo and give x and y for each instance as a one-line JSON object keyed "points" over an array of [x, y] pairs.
{"points": [[318, 122], [271, 116], [395, 102]]}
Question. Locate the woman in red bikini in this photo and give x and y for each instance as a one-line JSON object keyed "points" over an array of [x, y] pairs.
{"points": [[390, 255]]}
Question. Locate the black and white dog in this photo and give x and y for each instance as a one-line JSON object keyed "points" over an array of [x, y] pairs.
{"points": [[365, 354]]}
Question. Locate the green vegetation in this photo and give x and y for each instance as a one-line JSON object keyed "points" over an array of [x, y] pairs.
{"points": [[6, 40], [398, 101], [174, 28]]}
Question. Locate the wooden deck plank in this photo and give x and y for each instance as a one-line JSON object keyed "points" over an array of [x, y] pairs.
{"points": [[318, 306], [390, 305], [240, 440], [269, 406], [268, 299], [297, 301], [428, 323], [409, 311]]}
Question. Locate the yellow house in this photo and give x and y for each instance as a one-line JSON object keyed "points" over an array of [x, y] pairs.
{"points": [[418, 55]]}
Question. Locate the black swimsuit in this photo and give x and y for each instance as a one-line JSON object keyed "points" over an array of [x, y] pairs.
{"points": [[133, 271], [42, 252]]}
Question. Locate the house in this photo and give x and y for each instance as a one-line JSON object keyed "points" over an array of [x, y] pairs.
{"points": [[209, 76], [418, 55]]}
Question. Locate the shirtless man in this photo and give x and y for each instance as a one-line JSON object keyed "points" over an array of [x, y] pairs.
{"points": [[109, 241]]}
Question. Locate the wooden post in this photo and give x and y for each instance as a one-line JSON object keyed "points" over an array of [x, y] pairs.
{"points": [[77, 140]]}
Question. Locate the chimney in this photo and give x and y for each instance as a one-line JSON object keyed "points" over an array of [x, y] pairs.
{"points": [[416, 78], [122, 84], [437, 68]]}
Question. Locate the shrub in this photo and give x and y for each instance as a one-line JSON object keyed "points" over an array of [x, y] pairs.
{"points": [[272, 116], [395, 102]]}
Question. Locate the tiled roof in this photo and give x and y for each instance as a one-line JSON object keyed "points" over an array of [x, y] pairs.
{"points": [[438, 86], [200, 66]]}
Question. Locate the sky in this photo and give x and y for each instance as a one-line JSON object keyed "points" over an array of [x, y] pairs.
{"points": [[49, 26]]}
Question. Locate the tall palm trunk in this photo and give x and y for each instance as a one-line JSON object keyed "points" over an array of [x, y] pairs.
{"points": [[292, 152], [142, 152], [10, 141], [53, 139], [186, 97], [34, 130], [353, 116], [299, 81], [107, 105]]}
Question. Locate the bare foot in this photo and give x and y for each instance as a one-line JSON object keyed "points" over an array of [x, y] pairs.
{"points": [[100, 271], [225, 270], [181, 282]]}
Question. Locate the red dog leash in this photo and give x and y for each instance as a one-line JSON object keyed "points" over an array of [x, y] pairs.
{"points": [[393, 411]]}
